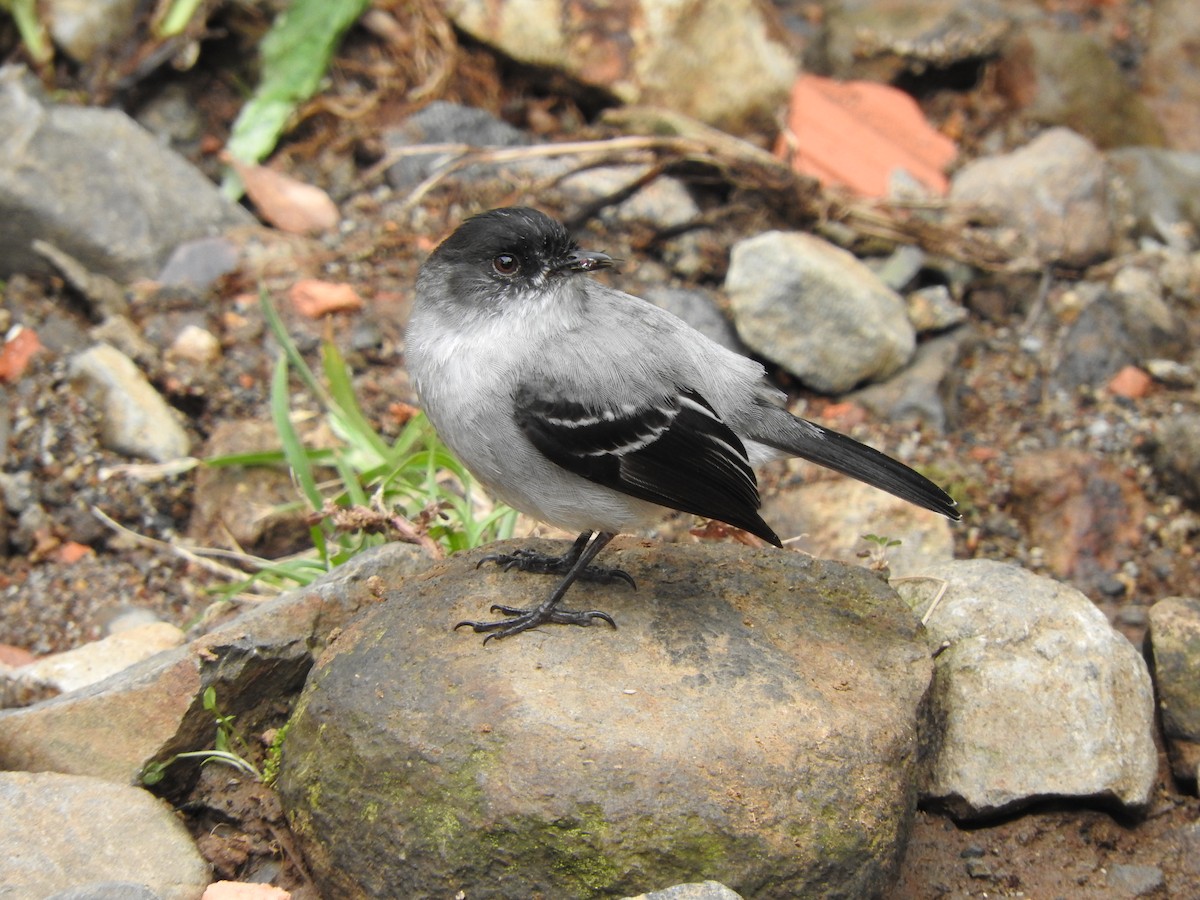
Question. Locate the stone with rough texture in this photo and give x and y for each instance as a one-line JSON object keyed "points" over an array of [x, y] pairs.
{"points": [[817, 311], [934, 309], [727, 63], [1060, 77], [84, 30], [1176, 457], [1128, 323], [134, 418], [627, 199], [1162, 187], [1174, 638], [66, 833], [1053, 191], [924, 390], [753, 720], [106, 890], [199, 263], [97, 660], [1035, 695], [97, 186], [155, 709], [1171, 70], [880, 40]]}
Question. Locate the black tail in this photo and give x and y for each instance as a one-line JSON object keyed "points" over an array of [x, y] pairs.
{"points": [[799, 437]]}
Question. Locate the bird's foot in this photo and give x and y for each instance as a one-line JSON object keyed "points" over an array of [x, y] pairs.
{"points": [[524, 619], [545, 564]]}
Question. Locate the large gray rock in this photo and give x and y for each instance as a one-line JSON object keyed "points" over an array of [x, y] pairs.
{"points": [[727, 63], [817, 311], [1035, 695], [753, 720], [1052, 192], [628, 199], [96, 185], [67, 832]]}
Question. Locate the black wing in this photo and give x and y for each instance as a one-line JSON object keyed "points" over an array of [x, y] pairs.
{"points": [[675, 452]]}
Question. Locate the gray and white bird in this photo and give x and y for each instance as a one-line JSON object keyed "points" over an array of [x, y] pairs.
{"points": [[594, 410]]}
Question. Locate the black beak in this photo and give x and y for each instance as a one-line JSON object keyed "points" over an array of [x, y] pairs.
{"points": [[583, 261]]}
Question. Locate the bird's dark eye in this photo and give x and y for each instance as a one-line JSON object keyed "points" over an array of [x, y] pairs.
{"points": [[506, 264]]}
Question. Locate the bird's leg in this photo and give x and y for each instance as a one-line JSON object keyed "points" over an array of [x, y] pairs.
{"points": [[579, 556], [545, 564]]}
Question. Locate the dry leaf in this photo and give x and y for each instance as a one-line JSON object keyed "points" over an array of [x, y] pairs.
{"points": [[314, 298], [284, 202]]}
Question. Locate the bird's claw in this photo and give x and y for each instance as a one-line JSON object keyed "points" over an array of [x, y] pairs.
{"points": [[524, 619], [544, 564]]}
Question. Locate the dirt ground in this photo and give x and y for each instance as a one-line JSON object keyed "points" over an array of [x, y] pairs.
{"points": [[1059, 851], [1002, 403]]}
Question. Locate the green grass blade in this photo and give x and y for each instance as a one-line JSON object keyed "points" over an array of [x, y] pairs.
{"points": [[293, 450], [341, 393], [290, 350], [31, 29]]}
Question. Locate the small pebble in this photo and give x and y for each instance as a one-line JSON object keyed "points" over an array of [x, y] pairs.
{"points": [[135, 419], [1130, 382], [1133, 615], [195, 344], [1137, 880], [1171, 373], [933, 309], [978, 869]]}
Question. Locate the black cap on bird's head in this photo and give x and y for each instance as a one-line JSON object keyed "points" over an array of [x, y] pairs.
{"points": [[517, 244]]}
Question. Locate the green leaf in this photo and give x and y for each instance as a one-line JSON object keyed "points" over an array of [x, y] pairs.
{"points": [[295, 54]]}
